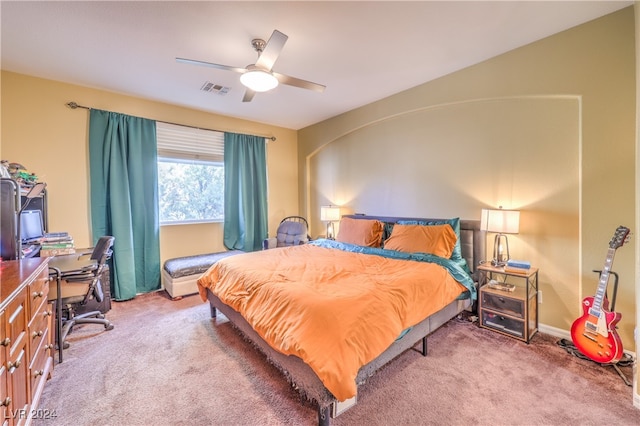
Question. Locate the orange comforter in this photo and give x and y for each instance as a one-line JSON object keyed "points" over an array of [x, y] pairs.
{"points": [[336, 310]]}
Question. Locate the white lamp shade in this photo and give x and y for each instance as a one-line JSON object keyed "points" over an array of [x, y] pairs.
{"points": [[500, 221], [329, 213], [259, 80]]}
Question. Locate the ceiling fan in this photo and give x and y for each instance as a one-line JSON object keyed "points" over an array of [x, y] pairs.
{"points": [[259, 77]]}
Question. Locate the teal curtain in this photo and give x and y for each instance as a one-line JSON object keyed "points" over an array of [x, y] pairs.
{"points": [[245, 194], [124, 198]]}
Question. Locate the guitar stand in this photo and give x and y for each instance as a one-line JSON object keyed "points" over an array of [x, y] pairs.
{"points": [[615, 288], [570, 347], [621, 374]]}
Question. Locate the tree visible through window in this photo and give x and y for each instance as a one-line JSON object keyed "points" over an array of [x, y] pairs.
{"points": [[190, 191], [190, 174]]}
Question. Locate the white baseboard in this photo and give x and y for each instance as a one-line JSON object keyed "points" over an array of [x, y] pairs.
{"points": [[553, 331], [338, 407], [566, 334]]}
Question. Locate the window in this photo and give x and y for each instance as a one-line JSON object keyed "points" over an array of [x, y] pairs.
{"points": [[190, 174]]}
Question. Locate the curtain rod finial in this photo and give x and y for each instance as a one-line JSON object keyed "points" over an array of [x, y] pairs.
{"points": [[72, 105]]}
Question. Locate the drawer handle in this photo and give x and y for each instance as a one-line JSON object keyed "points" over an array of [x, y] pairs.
{"points": [[37, 294], [46, 313], [47, 347], [38, 373], [37, 334], [6, 402], [6, 342], [11, 365]]}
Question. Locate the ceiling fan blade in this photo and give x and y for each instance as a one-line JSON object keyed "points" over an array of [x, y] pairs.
{"points": [[211, 65], [271, 50], [297, 82], [248, 95]]}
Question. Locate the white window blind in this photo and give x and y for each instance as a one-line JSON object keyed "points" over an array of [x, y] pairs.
{"points": [[188, 143]]}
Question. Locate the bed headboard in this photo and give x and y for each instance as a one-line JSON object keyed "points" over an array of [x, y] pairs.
{"points": [[472, 239]]}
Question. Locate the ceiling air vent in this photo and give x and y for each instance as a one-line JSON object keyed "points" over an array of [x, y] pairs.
{"points": [[214, 88]]}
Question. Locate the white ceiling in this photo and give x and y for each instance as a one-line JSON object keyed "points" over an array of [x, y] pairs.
{"points": [[362, 51]]}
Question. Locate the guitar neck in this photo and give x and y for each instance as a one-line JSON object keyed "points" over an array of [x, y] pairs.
{"points": [[602, 285]]}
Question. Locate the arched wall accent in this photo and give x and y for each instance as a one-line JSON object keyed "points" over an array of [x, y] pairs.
{"points": [[454, 159]]}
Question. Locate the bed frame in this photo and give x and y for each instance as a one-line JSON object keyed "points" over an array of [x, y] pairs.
{"points": [[302, 378]]}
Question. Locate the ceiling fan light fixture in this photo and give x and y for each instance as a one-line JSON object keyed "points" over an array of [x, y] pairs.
{"points": [[258, 80]]}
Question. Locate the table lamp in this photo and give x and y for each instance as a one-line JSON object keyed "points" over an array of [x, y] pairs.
{"points": [[501, 222], [330, 214]]}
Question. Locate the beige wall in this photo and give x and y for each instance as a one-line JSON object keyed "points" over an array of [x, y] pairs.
{"points": [[636, 383], [548, 128], [50, 139]]}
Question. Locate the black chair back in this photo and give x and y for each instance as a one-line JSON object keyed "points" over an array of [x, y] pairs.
{"points": [[101, 253], [102, 248]]}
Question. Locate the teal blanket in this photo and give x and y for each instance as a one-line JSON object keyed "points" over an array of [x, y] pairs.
{"points": [[454, 268]]}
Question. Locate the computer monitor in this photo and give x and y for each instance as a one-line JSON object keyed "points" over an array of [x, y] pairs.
{"points": [[31, 226], [8, 225]]}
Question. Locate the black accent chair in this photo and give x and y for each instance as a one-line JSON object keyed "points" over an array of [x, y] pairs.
{"points": [[78, 286], [292, 231]]}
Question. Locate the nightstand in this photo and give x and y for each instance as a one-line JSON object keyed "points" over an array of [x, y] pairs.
{"points": [[513, 313]]}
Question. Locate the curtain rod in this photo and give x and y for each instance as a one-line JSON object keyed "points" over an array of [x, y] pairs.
{"points": [[74, 105]]}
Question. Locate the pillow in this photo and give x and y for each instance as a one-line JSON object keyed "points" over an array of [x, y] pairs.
{"points": [[455, 224], [456, 256], [439, 240], [362, 232]]}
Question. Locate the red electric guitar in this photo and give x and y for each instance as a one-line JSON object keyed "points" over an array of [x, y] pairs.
{"points": [[594, 333]]}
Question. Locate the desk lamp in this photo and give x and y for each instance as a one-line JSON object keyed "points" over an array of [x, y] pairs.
{"points": [[501, 222]]}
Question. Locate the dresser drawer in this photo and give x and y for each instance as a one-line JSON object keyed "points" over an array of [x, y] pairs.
{"points": [[38, 291], [41, 363], [17, 320], [503, 323], [38, 326], [503, 304]]}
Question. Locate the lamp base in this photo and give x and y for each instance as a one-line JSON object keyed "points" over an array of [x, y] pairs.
{"points": [[500, 251], [330, 231]]}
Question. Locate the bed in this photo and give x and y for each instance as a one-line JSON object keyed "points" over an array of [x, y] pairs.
{"points": [[329, 314]]}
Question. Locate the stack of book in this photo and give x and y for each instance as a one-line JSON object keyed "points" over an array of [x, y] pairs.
{"points": [[501, 285], [517, 266], [56, 243]]}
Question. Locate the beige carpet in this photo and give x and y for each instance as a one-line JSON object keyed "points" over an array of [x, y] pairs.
{"points": [[167, 363]]}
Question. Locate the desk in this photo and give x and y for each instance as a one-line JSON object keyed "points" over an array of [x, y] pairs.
{"points": [[64, 265]]}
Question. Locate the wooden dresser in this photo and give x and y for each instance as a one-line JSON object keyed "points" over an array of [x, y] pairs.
{"points": [[26, 341]]}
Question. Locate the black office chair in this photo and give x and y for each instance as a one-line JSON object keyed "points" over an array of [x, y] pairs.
{"points": [[77, 287]]}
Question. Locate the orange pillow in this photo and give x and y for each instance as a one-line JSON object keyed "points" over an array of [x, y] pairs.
{"points": [[433, 239], [362, 232]]}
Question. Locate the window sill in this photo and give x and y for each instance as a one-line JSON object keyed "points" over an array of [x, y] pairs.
{"points": [[192, 222]]}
